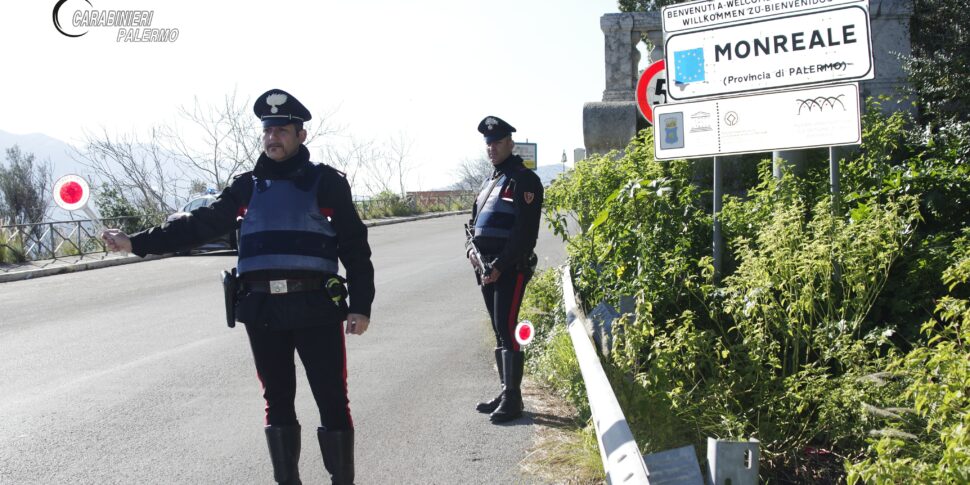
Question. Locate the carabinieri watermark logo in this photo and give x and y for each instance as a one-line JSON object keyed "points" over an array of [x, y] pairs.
{"points": [[131, 25]]}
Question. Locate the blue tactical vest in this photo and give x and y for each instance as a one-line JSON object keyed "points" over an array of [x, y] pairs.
{"points": [[496, 216], [284, 230]]}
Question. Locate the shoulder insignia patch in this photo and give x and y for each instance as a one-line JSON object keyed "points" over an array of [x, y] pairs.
{"points": [[529, 197]]}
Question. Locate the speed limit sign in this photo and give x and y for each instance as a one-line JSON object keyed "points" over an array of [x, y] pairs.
{"points": [[652, 89]]}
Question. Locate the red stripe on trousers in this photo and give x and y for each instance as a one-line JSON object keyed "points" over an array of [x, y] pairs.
{"points": [[514, 310], [343, 342]]}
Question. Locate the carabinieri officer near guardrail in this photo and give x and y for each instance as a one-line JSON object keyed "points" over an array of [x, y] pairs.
{"points": [[502, 235], [298, 219]]}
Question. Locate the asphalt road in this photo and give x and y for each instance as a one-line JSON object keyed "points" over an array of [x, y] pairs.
{"points": [[128, 374]]}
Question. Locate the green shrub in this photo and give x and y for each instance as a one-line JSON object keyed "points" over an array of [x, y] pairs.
{"points": [[385, 204], [644, 227], [550, 356], [11, 246], [783, 348], [934, 168], [118, 211], [926, 435]]}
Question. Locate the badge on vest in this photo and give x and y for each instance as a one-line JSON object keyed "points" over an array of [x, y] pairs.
{"points": [[507, 193]]}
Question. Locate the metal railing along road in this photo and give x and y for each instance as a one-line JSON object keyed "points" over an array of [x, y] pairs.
{"points": [[401, 206], [52, 240]]}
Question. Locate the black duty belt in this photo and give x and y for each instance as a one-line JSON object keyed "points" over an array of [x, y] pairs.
{"points": [[284, 286]]}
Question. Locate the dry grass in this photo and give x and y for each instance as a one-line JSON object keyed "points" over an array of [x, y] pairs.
{"points": [[564, 450]]}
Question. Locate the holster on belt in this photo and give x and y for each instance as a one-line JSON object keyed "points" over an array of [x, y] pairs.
{"points": [[230, 290], [528, 263]]}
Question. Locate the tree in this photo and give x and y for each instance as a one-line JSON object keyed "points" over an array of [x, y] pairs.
{"points": [[399, 158], [376, 168], [472, 173], [939, 66], [353, 158], [222, 140], [140, 171], [643, 5], [113, 205], [25, 185], [216, 143]]}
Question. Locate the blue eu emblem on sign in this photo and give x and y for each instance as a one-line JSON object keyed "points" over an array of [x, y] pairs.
{"points": [[689, 66]]}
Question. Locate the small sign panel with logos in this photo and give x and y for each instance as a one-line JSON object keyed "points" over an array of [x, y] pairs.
{"points": [[816, 47], [528, 153], [787, 120]]}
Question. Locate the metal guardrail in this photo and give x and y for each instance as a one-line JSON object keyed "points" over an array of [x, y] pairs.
{"points": [[51, 240], [401, 206], [618, 450]]}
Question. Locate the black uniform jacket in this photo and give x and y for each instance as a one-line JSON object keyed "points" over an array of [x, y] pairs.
{"points": [[527, 194], [333, 197]]}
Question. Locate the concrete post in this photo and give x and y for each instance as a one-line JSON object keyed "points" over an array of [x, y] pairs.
{"points": [[622, 57], [732, 462], [611, 123]]}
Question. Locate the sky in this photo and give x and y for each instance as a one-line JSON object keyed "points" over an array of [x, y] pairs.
{"points": [[427, 69]]}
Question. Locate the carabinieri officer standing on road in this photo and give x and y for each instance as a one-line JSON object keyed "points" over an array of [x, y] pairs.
{"points": [[298, 219], [503, 232]]}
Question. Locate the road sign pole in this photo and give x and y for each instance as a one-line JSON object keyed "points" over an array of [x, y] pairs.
{"points": [[834, 180], [788, 161], [718, 238], [836, 202]]}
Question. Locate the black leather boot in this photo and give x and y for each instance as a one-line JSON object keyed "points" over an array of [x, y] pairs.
{"points": [[284, 452], [337, 448], [511, 405], [488, 407]]}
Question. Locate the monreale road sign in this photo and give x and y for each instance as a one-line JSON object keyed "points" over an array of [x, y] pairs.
{"points": [[824, 46]]}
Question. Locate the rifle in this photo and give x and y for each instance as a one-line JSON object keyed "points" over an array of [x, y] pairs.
{"points": [[483, 268]]}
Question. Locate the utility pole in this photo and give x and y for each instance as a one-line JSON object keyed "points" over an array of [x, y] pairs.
{"points": [[564, 161]]}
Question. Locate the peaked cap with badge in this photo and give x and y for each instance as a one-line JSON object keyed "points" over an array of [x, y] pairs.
{"points": [[494, 128], [279, 108]]}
